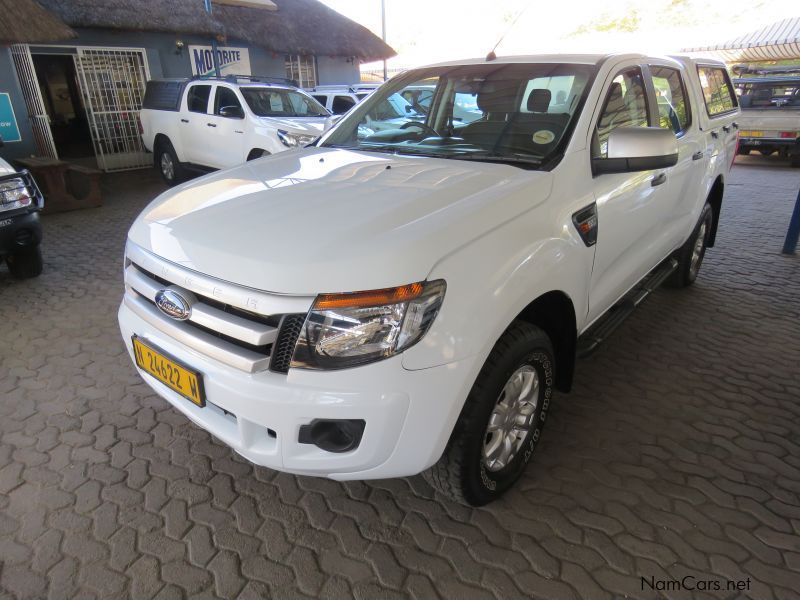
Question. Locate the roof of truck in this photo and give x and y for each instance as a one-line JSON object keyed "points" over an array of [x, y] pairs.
{"points": [[585, 59]]}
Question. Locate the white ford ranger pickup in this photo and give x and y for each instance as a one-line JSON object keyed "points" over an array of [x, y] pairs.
{"points": [[215, 123], [407, 300]]}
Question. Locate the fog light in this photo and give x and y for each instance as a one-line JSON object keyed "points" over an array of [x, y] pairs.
{"points": [[340, 435]]}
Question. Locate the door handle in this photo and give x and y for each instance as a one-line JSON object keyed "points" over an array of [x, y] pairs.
{"points": [[658, 179], [698, 155], [211, 124], [714, 134], [726, 129], [184, 120], [237, 131], [735, 125]]}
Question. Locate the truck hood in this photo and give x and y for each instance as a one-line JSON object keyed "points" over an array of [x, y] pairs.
{"points": [[304, 125], [318, 220]]}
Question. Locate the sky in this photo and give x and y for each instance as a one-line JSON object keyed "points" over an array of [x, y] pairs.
{"points": [[428, 31]]}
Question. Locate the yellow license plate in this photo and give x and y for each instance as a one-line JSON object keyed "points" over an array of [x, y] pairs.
{"points": [[746, 133], [169, 372]]}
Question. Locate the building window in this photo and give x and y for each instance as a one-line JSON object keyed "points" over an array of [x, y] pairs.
{"points": [[302, 69]]}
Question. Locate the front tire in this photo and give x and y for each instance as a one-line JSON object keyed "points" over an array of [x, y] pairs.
{"points": [[501, 421], [744, 151], [26, 264], [690, 256]]}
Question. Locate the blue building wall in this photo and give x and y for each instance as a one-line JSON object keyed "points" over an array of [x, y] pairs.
{"points": [[10, 85], [164, 60]]}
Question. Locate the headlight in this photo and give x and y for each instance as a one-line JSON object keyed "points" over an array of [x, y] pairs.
{"points": [[293, 140], [346, 330], [14, 194]]}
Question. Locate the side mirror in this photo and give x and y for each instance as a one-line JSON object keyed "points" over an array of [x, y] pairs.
{"points": [[638, 149], [231, 112]]}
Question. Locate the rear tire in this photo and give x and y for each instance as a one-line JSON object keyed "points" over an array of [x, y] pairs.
{"points": [[26, 264], [501, 421], [168, 165], [744, 151], [690, 256]]}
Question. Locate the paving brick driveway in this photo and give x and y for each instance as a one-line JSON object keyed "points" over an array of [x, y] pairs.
{"points": [[678, 453]]}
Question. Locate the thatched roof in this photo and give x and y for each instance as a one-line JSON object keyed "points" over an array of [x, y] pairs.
{"points": [[179, 16], [302, 27], [25, 21], [297, 26]]}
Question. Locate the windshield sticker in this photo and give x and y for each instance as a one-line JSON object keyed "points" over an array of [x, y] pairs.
{"points": [[543, 136]]}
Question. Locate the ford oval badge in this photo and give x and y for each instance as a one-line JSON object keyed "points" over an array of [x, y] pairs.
{"points": [[173, 305]]}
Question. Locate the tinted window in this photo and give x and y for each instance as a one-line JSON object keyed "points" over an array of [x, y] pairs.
{"points": [[321, 99], [197, 98], [673, 111], [625, 106], [717, 90], [341, 104], [225, 97]]}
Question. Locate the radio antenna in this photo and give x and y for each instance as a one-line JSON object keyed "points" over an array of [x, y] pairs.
{"points": [[492, 56]]}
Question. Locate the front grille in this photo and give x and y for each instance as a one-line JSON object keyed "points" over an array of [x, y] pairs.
{"points": [[282, 351]]}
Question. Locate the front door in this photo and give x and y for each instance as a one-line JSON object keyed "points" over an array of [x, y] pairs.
{"points": [[226, 131], [630, 208]]}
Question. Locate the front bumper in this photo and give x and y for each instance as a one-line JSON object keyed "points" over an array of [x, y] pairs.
{"points": [[19, 231], [409, 414]]}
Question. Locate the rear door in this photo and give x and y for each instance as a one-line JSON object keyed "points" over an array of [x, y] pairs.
{"points": [[721, 108], [683, 188], [193, 128]]}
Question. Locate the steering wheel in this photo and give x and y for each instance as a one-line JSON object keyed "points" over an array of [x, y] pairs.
{"points": [[422, 126]]}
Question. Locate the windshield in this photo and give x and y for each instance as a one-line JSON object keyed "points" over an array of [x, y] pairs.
{"points": [[515, 113], [769, 94], [278, 102]]}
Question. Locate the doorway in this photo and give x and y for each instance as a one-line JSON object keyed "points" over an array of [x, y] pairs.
{"points": [[58, 82]]}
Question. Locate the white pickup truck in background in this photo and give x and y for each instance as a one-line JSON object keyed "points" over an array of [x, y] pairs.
{"points": [[407, 298], [216, 123], [770, 120]]}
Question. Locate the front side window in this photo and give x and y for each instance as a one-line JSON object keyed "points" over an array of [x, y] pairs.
{"points": [[486, 112], [281, 102], [225, 97], [302, 70], [717, 90], [673, 111], [197, 98], [625, 106]]}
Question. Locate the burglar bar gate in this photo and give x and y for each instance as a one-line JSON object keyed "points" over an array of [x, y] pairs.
{"points": [[112, 83], [40, 122]]}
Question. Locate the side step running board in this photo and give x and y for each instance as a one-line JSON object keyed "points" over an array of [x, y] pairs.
{"points": [[605, 325]]}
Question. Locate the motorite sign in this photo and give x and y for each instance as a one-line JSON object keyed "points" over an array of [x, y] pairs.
{"points": [[232, 61]]}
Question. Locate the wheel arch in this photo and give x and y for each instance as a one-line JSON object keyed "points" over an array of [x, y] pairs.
{"points": [[257, 153], [554, 313], [715, 200]]}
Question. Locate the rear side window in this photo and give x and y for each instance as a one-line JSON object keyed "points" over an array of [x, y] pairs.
{"points": [[197, 98], [673, 110], [341, 104], [321, 99], [717, 90], [625, 106]]}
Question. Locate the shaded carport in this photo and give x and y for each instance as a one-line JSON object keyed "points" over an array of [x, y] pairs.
{"points": [[777, 41]]}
